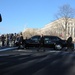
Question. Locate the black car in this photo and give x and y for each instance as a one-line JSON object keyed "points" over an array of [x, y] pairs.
{"points": [[32, 42], [49, 41]]}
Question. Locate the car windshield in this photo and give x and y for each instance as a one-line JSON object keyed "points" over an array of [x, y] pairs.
{"points": [[35, 38]]}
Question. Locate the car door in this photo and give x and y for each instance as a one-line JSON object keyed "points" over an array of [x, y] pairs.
{"points": [[33, 41], [48, 42], [56, 39]]}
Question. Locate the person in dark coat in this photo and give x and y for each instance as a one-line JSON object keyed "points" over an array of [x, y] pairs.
{"points": [[7, 39], [69, 43], [3, 40], [21, 41], [41, 43], [69, 40]]}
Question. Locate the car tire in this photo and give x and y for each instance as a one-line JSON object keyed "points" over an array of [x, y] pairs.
{"points": [[58, 47]]}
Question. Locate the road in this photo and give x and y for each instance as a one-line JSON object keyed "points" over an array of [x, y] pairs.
{"points": [[31, 62]]}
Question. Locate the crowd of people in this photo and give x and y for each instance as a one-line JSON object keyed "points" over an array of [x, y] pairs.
{"points": [[10, 39]]}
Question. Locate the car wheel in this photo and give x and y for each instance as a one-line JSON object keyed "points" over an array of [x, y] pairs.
{"points": [[58, 47]]}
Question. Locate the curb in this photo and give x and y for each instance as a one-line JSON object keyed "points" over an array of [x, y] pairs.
{"points": [[11, 48]]}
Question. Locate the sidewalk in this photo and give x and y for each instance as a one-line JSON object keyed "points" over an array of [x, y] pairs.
{"points": [[3, 47], [6, 47]]}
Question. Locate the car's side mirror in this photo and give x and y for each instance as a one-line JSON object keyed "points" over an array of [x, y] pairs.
{"points": [[0, 18]]}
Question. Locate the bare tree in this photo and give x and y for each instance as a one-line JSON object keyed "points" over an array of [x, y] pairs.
{"points": [[65, 13]]}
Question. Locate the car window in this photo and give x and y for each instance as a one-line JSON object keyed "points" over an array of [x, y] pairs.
{"points": [[55, 39], [46, 39], [35, 38]]}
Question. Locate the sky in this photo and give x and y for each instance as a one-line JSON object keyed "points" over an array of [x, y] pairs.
{"points": [[17, 15]]}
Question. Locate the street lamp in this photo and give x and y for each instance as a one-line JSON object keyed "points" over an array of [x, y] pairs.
{"points": [[0, 18]]}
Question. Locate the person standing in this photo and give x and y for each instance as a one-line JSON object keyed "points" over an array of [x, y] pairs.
{"points": [[14, 38], [69, 43], [3, 40], [21, 41], [7, 39], [41, 43]]}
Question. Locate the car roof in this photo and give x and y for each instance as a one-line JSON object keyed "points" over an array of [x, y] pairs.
{"points": [[46, 35], [49, 36]]}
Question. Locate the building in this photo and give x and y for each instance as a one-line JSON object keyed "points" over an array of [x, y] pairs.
{"points": [[57, 28]]}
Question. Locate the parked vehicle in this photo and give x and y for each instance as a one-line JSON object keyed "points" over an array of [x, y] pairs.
{"points": [[54, 42], [49, 42], [32, 42]]}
